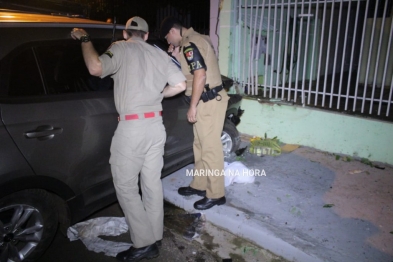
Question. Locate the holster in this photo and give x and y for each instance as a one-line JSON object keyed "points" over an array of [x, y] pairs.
{"points": [[210, 94]]}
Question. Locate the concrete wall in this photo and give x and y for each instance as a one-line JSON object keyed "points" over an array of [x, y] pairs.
{"points": [[327, 131], [321, 129], [224, 37]]}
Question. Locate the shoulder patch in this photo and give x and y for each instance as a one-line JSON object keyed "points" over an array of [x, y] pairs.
{"points": [[109, 53], [189, 54], [193, 57]]}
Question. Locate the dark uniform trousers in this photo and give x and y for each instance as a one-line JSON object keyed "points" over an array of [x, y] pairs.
{"points": [[138, 145], [208, 154]]}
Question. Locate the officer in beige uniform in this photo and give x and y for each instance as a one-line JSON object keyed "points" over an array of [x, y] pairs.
{"points": [[140, 73], [208, 104]]}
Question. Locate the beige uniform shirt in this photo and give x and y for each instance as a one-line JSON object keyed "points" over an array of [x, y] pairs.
{"points": [[197, 52], [140, 73]]}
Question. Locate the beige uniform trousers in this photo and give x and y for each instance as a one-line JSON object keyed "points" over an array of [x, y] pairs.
{"points": [[138, 147], [208, 154]]}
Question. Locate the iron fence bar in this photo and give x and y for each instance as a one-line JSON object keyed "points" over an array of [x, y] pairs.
{"points": [[321, 51], [390, 96], [335, 54], [264, 76], [244, 45], [232, 40], [292, 51], [267, 49], [378, 56], [279, 49], [386, 67], [251, 51], [253, 38], [360, 60], [313, 52], [343, 55], [352, 55], [259, 44], [239, 44], [369, 56], [306, 54], [298, 50], [327, 56], [284, 75], [274, 49]]}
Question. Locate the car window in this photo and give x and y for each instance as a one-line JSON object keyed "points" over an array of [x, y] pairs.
{"points": [[54, 67], [25, 79], [64, 70]]}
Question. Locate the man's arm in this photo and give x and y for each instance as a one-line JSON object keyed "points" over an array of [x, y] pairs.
{"points": [[174, 90], [198, 85], [90, 55]]}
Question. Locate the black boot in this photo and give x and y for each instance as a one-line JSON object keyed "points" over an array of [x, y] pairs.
{"points": [[206, 203], [136, 254], [189, 191]]}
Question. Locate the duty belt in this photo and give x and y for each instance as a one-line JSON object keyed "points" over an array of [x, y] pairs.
{"points": [[210, 94]]}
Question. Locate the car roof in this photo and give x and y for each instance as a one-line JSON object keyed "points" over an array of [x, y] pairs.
{"points": [[30, 28], [22, 17]]}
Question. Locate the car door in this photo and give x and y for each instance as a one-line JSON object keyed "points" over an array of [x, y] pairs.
{"points": [[180, 137], [61, 118]]}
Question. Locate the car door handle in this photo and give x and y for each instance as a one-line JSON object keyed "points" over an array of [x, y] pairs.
{"points": [[44, 132]]}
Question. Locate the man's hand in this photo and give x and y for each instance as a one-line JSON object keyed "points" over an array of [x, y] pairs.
{"points": [[191, 114], [174, 51], [198, 85], [77, 33], [90, 55]]}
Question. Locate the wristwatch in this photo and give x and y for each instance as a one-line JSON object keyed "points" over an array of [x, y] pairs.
{"points": [[85, 38]]}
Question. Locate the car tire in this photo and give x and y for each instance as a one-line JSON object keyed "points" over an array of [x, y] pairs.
{"points": [[28, 223], [230, 137]]}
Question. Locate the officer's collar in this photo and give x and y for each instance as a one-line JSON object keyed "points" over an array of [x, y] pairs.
{"points": [[135, 38], [186, 34]]}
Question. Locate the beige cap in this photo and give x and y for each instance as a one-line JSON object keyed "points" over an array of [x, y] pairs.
{"points": [[137, 23]]}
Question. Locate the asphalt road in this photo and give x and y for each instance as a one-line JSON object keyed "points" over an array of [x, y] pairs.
{"points": [[174, 246]]}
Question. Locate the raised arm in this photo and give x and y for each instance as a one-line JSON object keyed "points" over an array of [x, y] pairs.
{"points": [[90, 55]]}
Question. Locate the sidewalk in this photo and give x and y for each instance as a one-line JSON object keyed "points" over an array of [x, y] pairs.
{"points": [[310, 206]]}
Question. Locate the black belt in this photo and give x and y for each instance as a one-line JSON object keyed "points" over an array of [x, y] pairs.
{"points": [[210, 94], [217, 88]]}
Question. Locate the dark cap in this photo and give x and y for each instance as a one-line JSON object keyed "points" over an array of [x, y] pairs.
{"points": [[167, 24]]}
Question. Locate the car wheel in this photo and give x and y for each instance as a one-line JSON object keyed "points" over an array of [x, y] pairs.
{"points": [[28, 223], [230, 137]]}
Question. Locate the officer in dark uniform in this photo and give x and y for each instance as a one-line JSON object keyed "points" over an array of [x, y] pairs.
{"points": [[208, 104]]}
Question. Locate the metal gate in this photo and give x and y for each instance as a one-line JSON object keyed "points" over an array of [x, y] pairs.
{"points": [[329, 54]]}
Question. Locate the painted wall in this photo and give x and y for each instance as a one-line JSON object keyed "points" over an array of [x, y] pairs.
{"points": [[224, 38], [214, 23], [327, 131]]}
